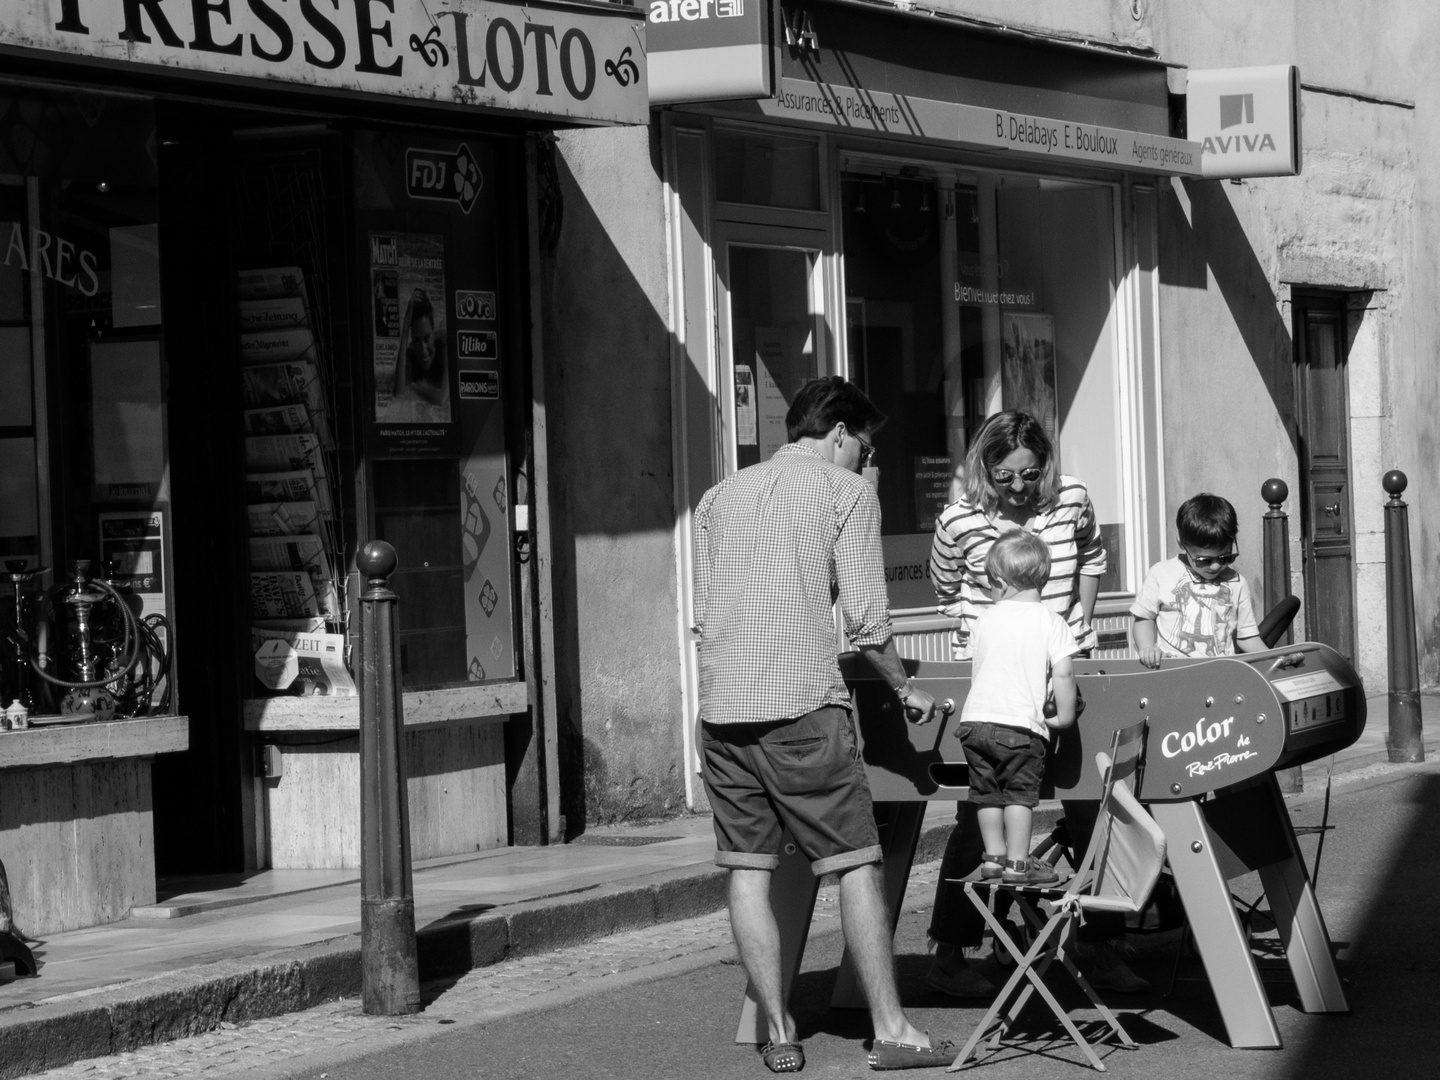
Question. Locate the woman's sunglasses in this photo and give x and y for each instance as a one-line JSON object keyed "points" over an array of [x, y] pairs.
{"points": [[1006, 477]]}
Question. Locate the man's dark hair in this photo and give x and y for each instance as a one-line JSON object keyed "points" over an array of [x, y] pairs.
{"points": [[1207, 520], [823, 403]]}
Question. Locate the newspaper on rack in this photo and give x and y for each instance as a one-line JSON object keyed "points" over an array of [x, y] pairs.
{"points": [[277, 346], [271, 281], [279, 313], [291, 485], [283, 518], [278, 420], [305, 553], [265, 386], [282, 594], [277, 453], [301, 663]]}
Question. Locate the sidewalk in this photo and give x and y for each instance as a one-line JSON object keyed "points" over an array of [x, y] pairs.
{"points": [[227, 950]]}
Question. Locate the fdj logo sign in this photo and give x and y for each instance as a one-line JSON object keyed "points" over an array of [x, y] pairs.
{"points": [[431, 174], [479, 385]]}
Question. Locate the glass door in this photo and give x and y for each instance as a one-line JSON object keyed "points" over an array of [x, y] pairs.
{"points": [[773, 334]]}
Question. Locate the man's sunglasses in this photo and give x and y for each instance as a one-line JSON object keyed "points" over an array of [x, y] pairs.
{"points": [[867, 450], [1205, 562], [1006, 477]]}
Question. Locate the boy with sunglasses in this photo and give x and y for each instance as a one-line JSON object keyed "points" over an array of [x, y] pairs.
{"points": [[1196, 604]]}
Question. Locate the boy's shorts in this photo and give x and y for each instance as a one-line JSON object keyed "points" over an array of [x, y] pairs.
{"points": [[1006, 764], [803, 774]]}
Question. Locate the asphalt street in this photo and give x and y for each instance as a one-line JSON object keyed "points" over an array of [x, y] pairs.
{"points": [[666, 1007]]}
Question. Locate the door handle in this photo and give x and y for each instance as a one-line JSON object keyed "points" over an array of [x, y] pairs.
{"points": [[1333, 509]]}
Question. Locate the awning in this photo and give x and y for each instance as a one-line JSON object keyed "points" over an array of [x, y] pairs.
{"points": [[873, 70], [562, 59]]}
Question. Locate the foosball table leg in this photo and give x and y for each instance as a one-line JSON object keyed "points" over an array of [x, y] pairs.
{"points": [[1221, 941], [1300, 924]]}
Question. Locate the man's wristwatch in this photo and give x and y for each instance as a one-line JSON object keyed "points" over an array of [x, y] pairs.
{"points": [[903, 691]]}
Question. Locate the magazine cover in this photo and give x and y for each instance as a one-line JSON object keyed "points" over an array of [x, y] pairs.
{"points": [[277, 346], [293, 485], [411, 358]]}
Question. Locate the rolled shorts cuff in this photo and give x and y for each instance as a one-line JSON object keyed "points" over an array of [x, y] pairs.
{"points": [[745, 860], [847, 860]]}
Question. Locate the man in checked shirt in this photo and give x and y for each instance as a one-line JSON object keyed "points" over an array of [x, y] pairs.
{"points": [[775, 546]]}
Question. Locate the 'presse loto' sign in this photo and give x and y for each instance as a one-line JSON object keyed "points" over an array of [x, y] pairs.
{"points": [[558, 60]]}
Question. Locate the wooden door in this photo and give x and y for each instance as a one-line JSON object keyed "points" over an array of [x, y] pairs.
{"points": [[1323, 414]]}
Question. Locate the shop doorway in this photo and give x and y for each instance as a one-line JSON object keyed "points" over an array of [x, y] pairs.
{"points": [[772, 335], [1323, 422]]}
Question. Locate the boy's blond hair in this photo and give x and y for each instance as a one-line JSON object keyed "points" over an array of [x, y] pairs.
{"points": [[1020, 559]]}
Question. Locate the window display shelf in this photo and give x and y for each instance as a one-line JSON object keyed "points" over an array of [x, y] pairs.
{"points": [[493, 701], [64, 744]]}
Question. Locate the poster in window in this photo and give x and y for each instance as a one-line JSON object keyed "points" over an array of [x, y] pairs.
{"points": [[744, 407], [412, 377], [1027, 367], [773, 365]]}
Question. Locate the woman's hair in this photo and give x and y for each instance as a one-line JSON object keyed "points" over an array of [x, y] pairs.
{"points": [[1020, 559], [1207, 520], [823, 403], [419, 308], [998, 438]]}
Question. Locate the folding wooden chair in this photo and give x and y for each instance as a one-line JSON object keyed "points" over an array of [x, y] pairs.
{"points": [[1117, 873]]}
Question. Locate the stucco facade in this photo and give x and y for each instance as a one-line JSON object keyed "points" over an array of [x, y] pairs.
{"points": [[1360, 221]]}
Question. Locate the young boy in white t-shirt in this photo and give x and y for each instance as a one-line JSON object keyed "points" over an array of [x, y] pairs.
{"points": [[1196, 604], [1003, 729]]}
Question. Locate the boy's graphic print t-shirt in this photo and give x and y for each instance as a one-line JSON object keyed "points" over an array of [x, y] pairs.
{"points": [[1194, 617]]}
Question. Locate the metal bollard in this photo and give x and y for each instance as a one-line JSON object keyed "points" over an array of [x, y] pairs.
{"points": [[1405, 741], [390, 977], [1276, 525]]}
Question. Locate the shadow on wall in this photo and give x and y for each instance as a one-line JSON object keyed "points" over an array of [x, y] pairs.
{"points": [[607, 390], [1213, 239]]}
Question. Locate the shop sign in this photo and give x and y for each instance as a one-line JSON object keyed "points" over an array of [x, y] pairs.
{"points": [[879, 112], [1246, 120], [558, 60], [707, 50]]}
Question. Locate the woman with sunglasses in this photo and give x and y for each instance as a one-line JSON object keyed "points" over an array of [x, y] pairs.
{"points": [[1012, 480]]}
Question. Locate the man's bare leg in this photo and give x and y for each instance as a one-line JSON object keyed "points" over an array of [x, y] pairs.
{"points": [[867, 935], [757, 937]]}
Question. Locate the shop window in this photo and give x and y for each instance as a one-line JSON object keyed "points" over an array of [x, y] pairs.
{"points": [[84, 473], [960, 302], [767, 170]]}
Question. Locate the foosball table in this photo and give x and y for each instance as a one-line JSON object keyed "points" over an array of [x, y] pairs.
{"points": [[1217, 732]]}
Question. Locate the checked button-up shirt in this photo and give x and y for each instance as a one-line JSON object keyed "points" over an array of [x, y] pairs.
{"points": [[775, 545]]}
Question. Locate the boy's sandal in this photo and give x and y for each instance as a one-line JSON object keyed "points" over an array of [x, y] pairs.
{"points": [[783, 1057], [991, 866]]}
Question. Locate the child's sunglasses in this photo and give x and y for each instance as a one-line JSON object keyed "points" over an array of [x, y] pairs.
{"points": [[1205, 562]]}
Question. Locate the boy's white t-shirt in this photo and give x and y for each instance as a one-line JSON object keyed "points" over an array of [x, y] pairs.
{"points": [[1014, 644], [1195, 617]]}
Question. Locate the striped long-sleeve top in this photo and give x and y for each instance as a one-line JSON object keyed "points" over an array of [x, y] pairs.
{"points": [[964, 534]]}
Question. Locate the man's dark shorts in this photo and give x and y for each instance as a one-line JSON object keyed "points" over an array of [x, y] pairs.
{"points": [[803, 774], [1006, 764]]}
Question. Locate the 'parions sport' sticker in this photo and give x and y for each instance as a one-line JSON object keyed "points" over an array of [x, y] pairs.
{"points": [[479, 385]]}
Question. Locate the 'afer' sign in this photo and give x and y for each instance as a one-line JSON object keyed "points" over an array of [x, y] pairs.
{"points": [[536, 57], [1246, 120]]}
